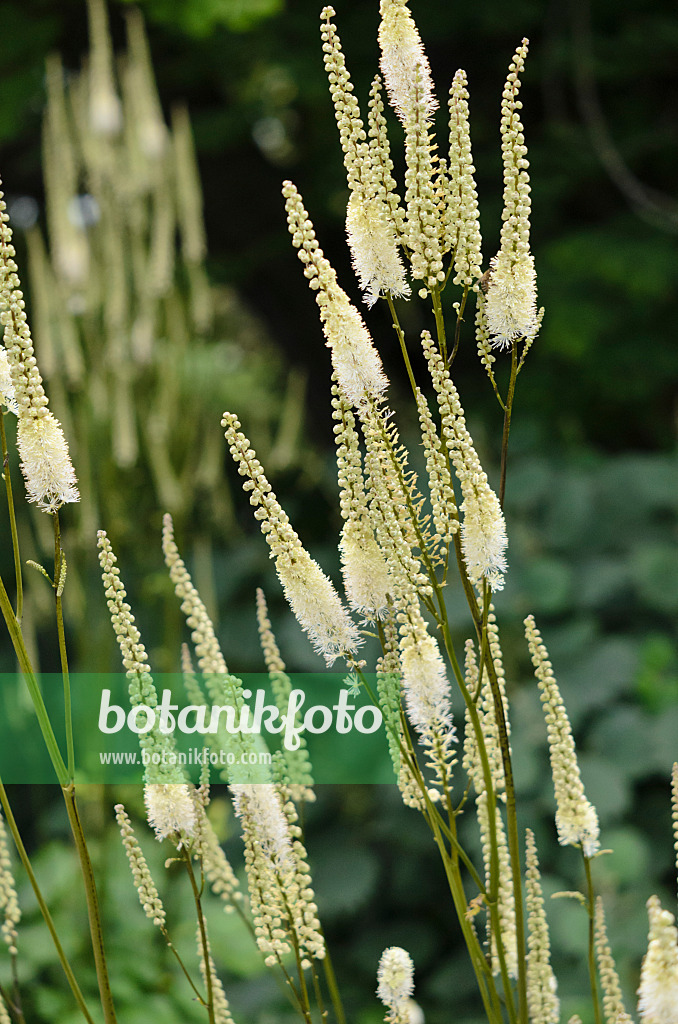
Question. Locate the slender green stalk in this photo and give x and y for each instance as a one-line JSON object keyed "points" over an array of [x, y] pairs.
{"points": [[11, 1003], [591, 910], [182, 965], [304, 1010], [44, 910], [93, 913], [58, 584], [401, 339], [511, 815], [481, 968], [286, 989], [320, 1002], [68, 790], [408, 753], [457, 329], [306, 1004], [440, 323], [16, 1000], [332, 986], [12, 522], [203, 936], [508, 409], [511, 827], [33, 687], [486, 986]]}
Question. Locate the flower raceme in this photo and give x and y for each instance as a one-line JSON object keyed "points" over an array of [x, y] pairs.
{"points": [[169, 801], [395, 978], [7, 395], [576, 817], [355, 360], [283, 907], [310, 594], [511, 308], [170, 808], [371, 228], [45, 461], [658, 990], [372, 241], [403, 61]]}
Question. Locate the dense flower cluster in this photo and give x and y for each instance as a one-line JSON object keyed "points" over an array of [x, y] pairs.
{"points": [[45, 460]]}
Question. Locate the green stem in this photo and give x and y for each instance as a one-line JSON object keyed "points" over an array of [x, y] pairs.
{"points": [[93, 913], [512, 833], [303, 988], [68, 714], [508, 409], [408, 753], [320, 1002], [511, 812], [440, 323], [333, 988], [457, 329], [23, 856], [203, 936], [16, 1001], [9, 1001], [481, 968], [511, 816], [33, 687], [401, 339], [12, 522], [591, 909], [297, 1001], [432, 817], [182, 965], [288, 990]]}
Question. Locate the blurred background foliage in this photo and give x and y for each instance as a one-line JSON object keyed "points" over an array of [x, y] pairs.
{"points": [[593, 481]]}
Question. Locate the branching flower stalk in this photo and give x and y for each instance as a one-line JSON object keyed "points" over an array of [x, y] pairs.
{"points": [[380, 499]]}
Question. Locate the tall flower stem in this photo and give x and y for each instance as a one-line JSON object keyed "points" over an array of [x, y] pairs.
{"points": [[487, 660], [485, 981], [401, 339], [23, 856], [591, 910], [10, 1001], [26, 668], [59, 567], [457, 329], [508, 409], [481, 968], [203, 935], [512, 825], [12, 522], [93, 913], [440, 323], [492, 895], [333, 988]]}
